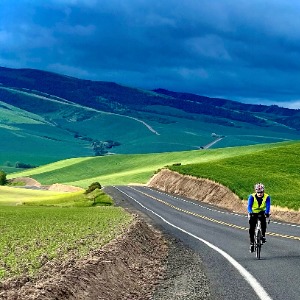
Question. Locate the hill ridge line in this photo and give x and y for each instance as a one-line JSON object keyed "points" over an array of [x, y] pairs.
{"points": [[68, 102]]}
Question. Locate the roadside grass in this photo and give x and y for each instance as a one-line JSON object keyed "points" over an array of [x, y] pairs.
{"points": [[53, 225], [131, 168], [31, 236], [278, 168], [96, 198], [17, 196]]}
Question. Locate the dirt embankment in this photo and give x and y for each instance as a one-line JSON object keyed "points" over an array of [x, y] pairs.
{"points": [[127, 268], [211, 192], [27, 181], [32, 183]]}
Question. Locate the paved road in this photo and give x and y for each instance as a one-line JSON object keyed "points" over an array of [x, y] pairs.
{"points": [[212, 143], [221, 238]]}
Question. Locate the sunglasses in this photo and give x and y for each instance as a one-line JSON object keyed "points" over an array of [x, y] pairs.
{"points": [[259, 192]]}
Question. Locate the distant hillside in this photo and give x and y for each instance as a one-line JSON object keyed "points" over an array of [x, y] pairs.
{"points": [[45, 117], [109, 96], [237, 110]]}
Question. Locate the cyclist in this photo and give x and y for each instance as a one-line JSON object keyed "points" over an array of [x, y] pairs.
{"points": [[259, 203]]}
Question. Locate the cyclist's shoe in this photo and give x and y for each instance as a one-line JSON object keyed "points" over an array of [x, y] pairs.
{"points": [[251, 248], [263, 239]]}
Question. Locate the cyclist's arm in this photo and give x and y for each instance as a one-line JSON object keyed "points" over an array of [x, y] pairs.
{"points": [[250, 204], [268, 205]]}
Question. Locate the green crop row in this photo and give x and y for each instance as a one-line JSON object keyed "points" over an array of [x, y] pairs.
{"points": [[37, 226], [31, 236]]}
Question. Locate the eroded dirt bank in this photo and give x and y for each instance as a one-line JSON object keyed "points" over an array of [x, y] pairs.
{"points": [[211, 192], [127, 268], [29, 182]]}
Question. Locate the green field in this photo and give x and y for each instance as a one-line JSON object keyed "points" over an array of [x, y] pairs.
{"points": [[53, 225], [137, 168], [30, 236]]}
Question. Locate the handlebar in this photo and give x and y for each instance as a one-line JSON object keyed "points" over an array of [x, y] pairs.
{"points": [[259, 215]]}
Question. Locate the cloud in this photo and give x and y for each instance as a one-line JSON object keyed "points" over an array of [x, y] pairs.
{"points": [[291, 104], [242, 49], [294, 104]]}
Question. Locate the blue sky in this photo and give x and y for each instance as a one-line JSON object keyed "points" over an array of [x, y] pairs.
{"points": [[241, 50]]}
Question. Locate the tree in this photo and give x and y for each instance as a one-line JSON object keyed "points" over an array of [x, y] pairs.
{"points": [[2, 178], [22, 165], [93, 186], [93, 195]]}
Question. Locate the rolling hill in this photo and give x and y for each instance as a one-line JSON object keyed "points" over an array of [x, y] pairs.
{"points": [[238, 168], [46, 117]]}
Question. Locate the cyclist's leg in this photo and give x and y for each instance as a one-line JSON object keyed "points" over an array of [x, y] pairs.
{"points": [[263, 226], [252, 223]]}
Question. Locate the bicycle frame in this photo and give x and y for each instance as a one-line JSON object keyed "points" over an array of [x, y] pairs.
{"points": [[258, 238]]}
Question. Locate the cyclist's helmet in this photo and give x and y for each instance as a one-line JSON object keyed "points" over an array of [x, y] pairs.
{"points": [[259, 187]]}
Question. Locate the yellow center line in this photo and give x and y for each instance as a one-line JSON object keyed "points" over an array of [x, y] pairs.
{"points": [[214, 220]]}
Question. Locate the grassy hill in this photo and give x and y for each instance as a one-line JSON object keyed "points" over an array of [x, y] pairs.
{"points": [[278, 168], [46, 117], [124, 169], [275, 164]]}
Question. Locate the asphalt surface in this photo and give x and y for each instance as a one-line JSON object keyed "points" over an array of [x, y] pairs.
{"points": [[221, 239]]}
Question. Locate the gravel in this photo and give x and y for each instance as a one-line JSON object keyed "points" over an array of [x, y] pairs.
{"points": [[184, 276]]}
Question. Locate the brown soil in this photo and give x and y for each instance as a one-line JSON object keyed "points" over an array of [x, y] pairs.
{"points": [[64, 188], [27, 181], [30, 182], [213, 193], [127, 268]]}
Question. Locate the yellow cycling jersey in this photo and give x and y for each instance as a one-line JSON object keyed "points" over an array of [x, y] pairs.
{"points": [[255, 207]]}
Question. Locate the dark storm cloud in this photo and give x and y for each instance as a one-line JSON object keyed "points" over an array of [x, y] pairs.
{"points": [[245, 50]]}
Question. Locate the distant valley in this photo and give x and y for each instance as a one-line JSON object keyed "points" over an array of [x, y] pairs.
{"points": [[46, 117]]}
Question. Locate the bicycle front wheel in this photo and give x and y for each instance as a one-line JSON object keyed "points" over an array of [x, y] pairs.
{"points": [[258, 244]]}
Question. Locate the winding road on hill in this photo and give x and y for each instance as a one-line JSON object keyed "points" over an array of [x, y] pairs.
{"points": [[221, 239], [212, 143], [62, 101]]}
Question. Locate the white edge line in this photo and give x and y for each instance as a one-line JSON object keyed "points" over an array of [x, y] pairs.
{"points": [[258, 289]]}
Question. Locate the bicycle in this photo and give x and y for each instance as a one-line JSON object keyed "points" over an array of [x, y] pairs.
{"points": [[258, 242]]}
